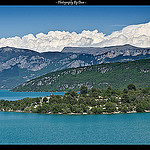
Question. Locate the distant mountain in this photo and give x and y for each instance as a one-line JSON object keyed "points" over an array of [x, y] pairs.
{"points": [[20, 65], [102, 50], [120, 53], [118, 75]]}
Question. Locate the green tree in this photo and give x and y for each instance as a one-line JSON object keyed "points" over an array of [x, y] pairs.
{"points": [[66, 110], [140, 107], [81, 100], [83, 90], [125, 98], [108, 92], [73, 108], [27, 109], [87, 100], [100, 110], [124, 109], [94, 94], [93, 102], [72, 93], [146, 90], [113, 99], [45, 108], [110, 107], [68, 99], [94, 110], [79, 110], [39, 109], [109, 87], [132, 98], [83, 107], [56, 108], [125, 91], [37, 100], [97, 110], [93, 89], [131, 86], [45, 99]]}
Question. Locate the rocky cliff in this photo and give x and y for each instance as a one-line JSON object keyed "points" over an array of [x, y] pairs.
{"points": [[20, 65]]}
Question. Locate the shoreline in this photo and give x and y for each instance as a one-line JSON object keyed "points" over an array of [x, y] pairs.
{"points": [[40, 91], [104, 113], [93, 101]]}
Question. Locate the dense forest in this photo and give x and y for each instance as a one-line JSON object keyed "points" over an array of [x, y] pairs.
{"points": [[87, 101], [118, 75]]}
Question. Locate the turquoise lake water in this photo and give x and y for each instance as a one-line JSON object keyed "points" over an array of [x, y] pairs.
{"points": [[7, 95], [28, 128]]}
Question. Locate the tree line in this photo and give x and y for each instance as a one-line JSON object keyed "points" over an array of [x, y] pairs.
{"points": [[87, 101]]}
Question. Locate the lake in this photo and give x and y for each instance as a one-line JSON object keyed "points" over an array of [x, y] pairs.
{"points": [[28, 128], [7, 95]]}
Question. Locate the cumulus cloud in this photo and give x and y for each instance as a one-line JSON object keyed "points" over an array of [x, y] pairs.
{"points": [[137, 35], [54, 40]]}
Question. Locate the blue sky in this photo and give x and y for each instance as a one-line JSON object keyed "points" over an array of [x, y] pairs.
{"points": [[22, 20]]}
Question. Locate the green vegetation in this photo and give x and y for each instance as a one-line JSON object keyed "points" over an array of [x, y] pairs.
{"points": [[118, 75], [87, 101]]}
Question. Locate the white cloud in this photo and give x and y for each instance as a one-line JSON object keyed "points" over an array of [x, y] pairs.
{"points": [[54, 40], [137, 35]]}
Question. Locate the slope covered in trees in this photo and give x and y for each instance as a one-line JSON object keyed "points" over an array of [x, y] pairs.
{"points": [[117, 75]]}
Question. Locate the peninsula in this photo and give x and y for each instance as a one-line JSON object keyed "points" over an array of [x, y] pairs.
{"points": [[87, 101]]}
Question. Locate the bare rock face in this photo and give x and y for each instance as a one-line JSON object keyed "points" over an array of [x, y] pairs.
{"points": [[25, 62], [20, 65], [111, 52]]}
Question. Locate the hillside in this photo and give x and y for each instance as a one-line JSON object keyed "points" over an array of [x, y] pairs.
{"points": [[117, 75], [21, 65]]}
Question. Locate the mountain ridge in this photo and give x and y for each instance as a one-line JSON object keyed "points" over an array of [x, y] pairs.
{"points": [[100, 50], [20, 65]]}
